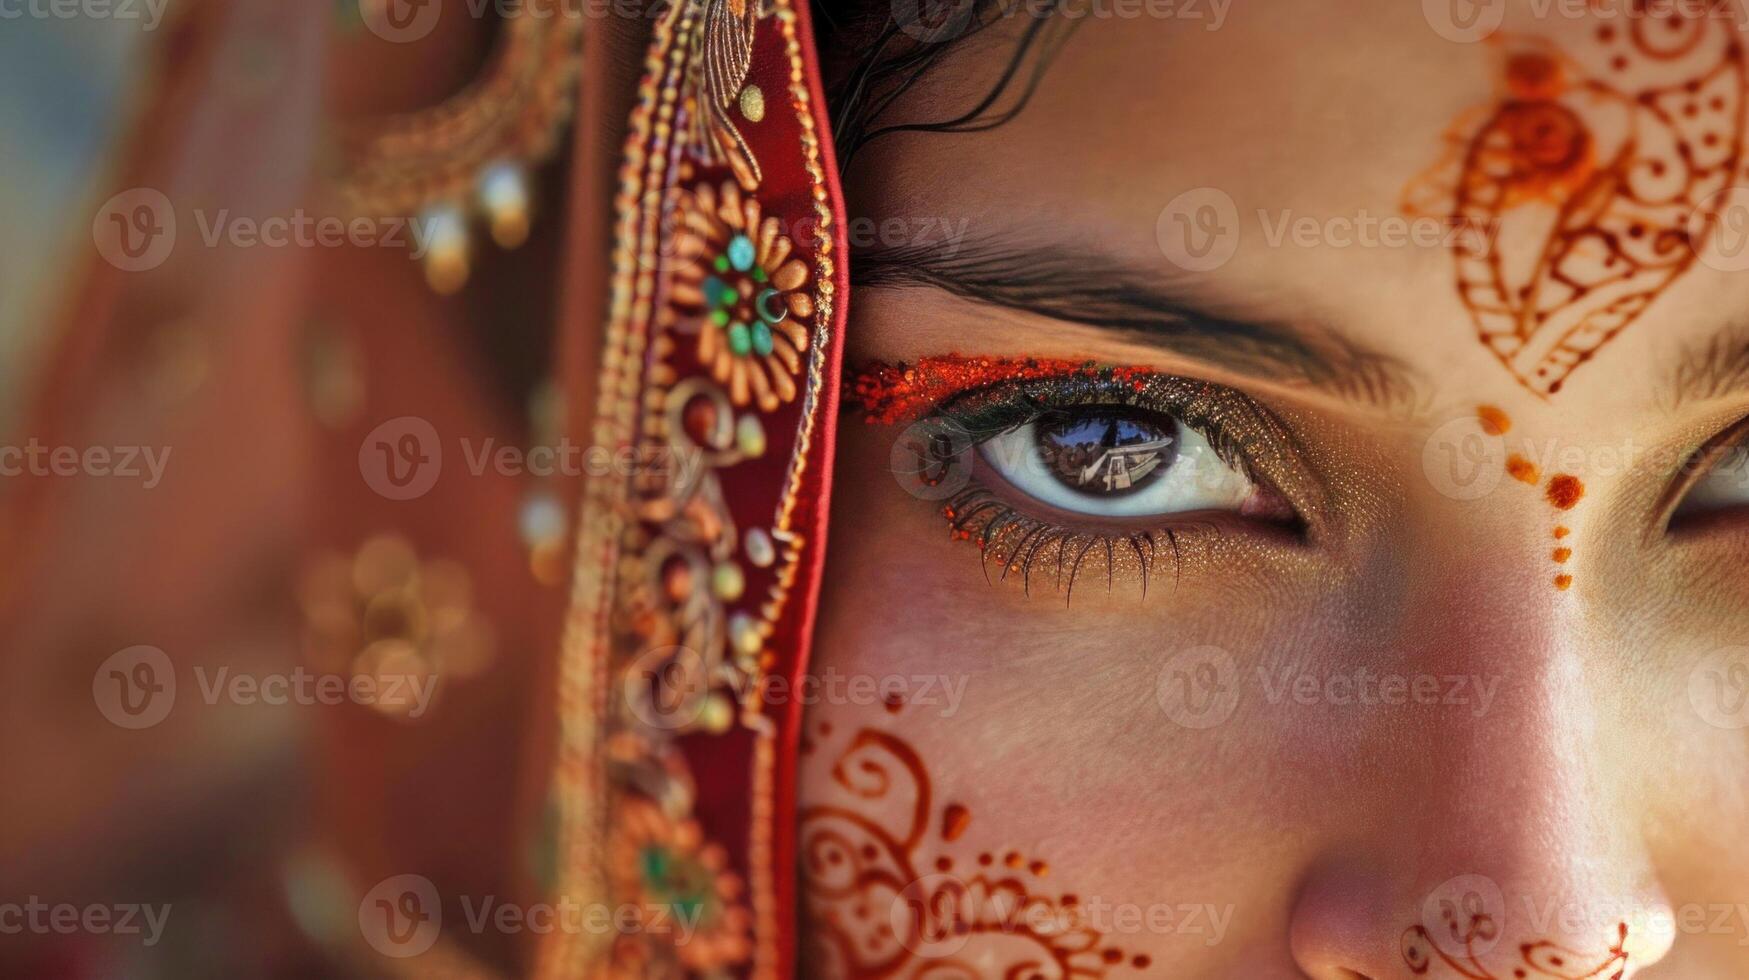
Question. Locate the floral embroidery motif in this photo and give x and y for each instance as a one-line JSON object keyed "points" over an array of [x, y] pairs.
{"points": [[742, 291], [665, 867]]}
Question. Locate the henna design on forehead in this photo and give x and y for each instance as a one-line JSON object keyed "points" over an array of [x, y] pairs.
{"points": [[888, 895], [1592, 168], [1542, 958]]}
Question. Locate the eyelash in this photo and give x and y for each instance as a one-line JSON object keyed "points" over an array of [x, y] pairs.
{"points": [[1241, 432]]}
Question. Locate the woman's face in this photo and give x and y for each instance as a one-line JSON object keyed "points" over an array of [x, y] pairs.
{"points": [[1440, 664]]}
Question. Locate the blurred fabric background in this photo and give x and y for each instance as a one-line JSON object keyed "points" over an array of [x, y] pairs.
{"points": [[63, 95]]}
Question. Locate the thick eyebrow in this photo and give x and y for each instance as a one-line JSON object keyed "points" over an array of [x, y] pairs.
{"points": [[1717, 366], [1077, 286]]}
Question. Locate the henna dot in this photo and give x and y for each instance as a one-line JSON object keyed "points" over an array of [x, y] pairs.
{"points": [[944, 864], [1112, 955], [1012, 859], [1142, 961], [1561, 555], [1070, 899], [1563, 582], [869, 853], [894, 700], [1606, 33], [1040, 868], [985, 859], [1618, 63], [1565, 490], [1561, 532], [825, 729], [1522, 470], [1636, 231], [954, 821], [1494, 421]]}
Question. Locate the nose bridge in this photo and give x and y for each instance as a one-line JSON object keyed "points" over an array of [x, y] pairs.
{"points": [[1514, 851], [1530, 832]]}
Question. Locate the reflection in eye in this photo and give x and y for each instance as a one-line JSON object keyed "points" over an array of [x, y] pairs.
{"points": [[1117, 461]]}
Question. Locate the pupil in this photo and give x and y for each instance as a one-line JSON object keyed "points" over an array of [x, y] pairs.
{"points": [[1108, 452]]}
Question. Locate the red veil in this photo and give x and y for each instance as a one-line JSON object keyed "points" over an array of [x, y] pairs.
{"points": [[695, 592], [692, 261]]}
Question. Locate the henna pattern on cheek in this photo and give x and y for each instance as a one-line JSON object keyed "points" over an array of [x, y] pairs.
{"points": [[885, 894], [1537, 959], [1591, 170]]}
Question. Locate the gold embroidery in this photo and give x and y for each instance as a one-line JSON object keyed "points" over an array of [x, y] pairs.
{"points": [[670, 618]]}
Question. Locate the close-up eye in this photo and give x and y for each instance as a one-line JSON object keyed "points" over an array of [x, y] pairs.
{"points": [[1121, 461], [1061, 465]]}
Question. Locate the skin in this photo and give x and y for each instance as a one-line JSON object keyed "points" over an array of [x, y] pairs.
{"points": [[1587, 791]]}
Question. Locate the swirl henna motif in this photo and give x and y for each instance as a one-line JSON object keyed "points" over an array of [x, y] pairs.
{"points": [[1591, 173], [1538, 959], [873, 912]]}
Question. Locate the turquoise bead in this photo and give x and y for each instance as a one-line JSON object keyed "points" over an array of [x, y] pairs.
{"points": [[771, 310], [740, 339], [762, 339], [714, 290], [741, 252]]}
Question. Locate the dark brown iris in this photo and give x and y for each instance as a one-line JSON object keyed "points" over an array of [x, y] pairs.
{"points": [[1107, 451]]}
